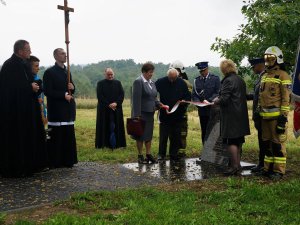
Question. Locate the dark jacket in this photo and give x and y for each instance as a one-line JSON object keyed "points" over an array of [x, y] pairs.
{"points": [[170, 93], [55, 87], [233, 107], [210, 88], [22, 134]]}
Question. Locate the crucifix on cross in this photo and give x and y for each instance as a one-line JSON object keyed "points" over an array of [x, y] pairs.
{"points": [[67, 40]]}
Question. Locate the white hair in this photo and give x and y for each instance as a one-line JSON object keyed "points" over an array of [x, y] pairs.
{"points": [[172, 70]]}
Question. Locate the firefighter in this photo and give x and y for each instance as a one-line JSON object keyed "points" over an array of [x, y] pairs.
{"points": [[274, 100]]}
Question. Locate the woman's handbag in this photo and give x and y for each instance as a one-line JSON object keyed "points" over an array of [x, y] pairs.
{"points": [[135, 126]]}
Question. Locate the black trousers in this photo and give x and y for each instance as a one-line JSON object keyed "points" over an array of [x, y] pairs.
{"points": [[203, 124], [170, 131], [261, 156]]}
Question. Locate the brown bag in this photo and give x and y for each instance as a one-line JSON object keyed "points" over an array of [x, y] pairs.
{"points": [[135, 126]]}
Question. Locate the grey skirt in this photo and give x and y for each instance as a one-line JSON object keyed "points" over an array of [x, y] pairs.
{"points": [[149, 125]]}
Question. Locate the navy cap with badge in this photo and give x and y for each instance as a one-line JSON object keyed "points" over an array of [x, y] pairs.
{"points": [[202, 65], [256, 61]]}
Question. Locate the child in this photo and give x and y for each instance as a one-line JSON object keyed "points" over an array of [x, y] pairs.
{"points": [[35, 67]]}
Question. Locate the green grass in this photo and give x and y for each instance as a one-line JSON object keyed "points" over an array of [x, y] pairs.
{"points": [[238, 201]]}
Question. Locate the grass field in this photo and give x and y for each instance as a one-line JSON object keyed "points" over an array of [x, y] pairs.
{"points": [[237, 200]]}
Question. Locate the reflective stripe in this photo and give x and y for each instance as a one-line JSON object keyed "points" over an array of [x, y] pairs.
{"points": [[286, 82], [270, 80], [269, 114], [281, 160], [285, 108], [269, 159]]}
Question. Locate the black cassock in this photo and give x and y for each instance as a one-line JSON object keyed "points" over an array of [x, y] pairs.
{"points": [[110, 130], [61, 114], [22, 134]]}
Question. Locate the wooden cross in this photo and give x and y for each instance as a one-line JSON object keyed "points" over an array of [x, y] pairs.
{"points": [[67, 40]]}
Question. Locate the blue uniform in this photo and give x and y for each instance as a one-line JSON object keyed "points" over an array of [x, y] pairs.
{"points": [[205, 88], [208, 87]]}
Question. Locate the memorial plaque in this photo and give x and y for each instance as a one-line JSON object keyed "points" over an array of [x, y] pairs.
{"points": [[214, 151]]}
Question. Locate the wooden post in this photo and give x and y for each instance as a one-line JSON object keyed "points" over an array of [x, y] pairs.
{"points": [[67, 40]]}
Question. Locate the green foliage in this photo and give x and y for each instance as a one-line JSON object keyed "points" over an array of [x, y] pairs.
{"points": [[2, 218], [269, 22]]}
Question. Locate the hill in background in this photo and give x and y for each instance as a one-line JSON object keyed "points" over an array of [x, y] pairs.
{"points": [[86, 77]]}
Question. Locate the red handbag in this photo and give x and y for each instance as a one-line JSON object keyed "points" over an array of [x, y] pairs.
{"points": [[135, 126]]}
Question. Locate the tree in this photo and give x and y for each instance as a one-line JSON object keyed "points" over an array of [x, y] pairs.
{"points": [[269, 22], [2, 2]]}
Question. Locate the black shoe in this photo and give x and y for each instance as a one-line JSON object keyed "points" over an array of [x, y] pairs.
{"points": [[150, 158], [141, 159], [232, 171], [257, 169], [275, 176], [161, 158]]}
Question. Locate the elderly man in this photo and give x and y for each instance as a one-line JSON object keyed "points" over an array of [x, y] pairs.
{"points": [[110, 130], [206, 87], [61, 113], [22, 135], [171, 90]]}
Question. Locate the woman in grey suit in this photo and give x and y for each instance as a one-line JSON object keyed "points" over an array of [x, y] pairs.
{"points": [[144, 104]]}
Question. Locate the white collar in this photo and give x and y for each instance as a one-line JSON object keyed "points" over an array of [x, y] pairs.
{"points": [[146, 81]]}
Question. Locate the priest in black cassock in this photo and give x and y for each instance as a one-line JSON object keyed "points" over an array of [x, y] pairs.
{"points": [[61, 113], [110, 130], [22, 134]]}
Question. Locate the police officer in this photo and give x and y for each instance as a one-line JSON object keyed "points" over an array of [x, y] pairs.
{"points": [[205, 87], [274, 100], [258, 67], [178, 65]]}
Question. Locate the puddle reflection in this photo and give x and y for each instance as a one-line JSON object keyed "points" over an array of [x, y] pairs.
{"points": [[184, 170]]}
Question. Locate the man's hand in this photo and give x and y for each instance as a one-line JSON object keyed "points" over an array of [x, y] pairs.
{"points": [[113, 105], [216, 100], [71, 86], [68, 97], [35, 87]]}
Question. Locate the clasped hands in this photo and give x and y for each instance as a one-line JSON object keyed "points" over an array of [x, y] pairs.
{"points": [[113, 106]]}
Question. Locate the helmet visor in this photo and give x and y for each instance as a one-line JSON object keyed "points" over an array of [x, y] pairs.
{"points": [[270, 60]]}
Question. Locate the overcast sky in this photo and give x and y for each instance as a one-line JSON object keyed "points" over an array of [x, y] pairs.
{"points": [[143, 30]]}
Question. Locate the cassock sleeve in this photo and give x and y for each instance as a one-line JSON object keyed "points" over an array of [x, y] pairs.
{"points": [[48, 87], [100, 95]]}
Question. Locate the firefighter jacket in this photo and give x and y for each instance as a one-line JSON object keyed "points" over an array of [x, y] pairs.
{"points": [[274, 94]]}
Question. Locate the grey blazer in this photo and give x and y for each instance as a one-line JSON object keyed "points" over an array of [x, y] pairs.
{"points": [[144, 99]]}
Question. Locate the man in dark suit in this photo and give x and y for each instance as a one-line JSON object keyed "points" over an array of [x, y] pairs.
{"points": [[171, 89], [205, 87], [258, 67]]}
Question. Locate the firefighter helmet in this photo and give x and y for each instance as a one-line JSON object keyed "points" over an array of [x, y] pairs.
{"points": [[270, 53], [178, 65]]}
